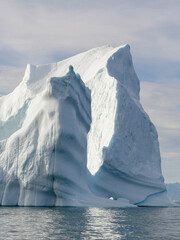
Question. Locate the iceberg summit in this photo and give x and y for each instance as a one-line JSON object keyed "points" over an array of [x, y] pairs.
{"points": [[74, 133]]}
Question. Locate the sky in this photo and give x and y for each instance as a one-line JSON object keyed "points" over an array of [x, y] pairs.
{"points": [[44, 31]]}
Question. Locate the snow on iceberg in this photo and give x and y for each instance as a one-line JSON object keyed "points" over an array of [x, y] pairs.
{"points": [[69, 139]]}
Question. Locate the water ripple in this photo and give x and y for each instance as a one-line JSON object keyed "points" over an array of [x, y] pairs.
{"points": [[89, 223]]}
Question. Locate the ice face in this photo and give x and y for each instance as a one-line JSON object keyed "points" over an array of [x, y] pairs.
{"points": [[79, 138], [132, 156], [46, 156]]}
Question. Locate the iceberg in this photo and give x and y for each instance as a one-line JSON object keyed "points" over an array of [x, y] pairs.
{"points": [[80, 137]]}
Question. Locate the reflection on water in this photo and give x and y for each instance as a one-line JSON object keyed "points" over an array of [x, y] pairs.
{"points": [[101, 224], [89, 223]]}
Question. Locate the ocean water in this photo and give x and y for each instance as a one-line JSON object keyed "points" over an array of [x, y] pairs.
{"points": [[89, 223]]}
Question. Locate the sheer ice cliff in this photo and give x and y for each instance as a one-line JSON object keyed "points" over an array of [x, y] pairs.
{"points": [[80, 137]]}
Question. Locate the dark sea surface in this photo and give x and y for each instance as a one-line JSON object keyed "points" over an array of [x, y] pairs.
{"points": [[89, 223]]}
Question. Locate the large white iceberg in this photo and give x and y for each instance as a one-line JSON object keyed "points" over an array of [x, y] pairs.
{"points": [[79, 137]]}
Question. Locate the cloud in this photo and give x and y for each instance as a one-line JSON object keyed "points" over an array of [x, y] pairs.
{"points": [[10, 77], [161, 102], [161, 71], [40, 28], [10, 57]]}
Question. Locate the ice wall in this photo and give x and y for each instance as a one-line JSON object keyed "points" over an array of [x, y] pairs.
{"points": [[53, 133], [44, 145], [131, 162]]}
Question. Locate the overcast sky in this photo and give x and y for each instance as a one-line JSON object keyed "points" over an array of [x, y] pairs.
{"points": [[43, 31]]}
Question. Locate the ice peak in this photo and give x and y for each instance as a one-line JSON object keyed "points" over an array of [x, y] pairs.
{"points": [[71, 69], [127, 46], [71, 72]]}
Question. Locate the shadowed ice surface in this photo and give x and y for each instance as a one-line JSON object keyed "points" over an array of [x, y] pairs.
{"points": [[89, 223]]}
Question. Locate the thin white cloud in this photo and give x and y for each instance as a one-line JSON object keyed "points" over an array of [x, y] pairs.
{"points": [[39, 28]]}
